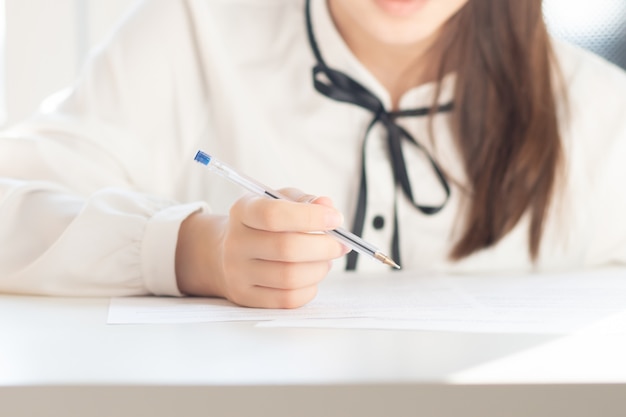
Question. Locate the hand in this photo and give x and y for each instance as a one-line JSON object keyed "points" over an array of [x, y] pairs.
{"points": [[266, 253]]}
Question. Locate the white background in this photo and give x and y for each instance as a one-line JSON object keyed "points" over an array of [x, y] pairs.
{"points": [[46, 42]]}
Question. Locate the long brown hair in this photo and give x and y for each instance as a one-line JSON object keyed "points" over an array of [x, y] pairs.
{"points": [[505, 119]]}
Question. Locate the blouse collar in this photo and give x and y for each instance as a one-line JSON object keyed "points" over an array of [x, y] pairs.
{"points": [[338, 56]]}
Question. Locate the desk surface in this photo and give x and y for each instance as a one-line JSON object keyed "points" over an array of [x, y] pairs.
{"points": [[59, 357]]}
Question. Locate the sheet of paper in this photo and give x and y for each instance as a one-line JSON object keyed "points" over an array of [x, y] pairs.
{"points": [[534, 303]]}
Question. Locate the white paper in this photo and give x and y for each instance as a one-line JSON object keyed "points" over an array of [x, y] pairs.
{"points": [[534, 303]]}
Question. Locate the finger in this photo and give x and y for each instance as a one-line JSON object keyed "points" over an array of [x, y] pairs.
{"points": [[262, 297], [288, 275], [285, 216], [301, 197], [290, 246], [325, 201], [296, 195]]}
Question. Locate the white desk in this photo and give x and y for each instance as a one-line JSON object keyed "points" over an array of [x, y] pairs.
{"points": [[58, 357]]}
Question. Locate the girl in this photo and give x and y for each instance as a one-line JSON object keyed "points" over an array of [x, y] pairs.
{"points": [[453, 134]]}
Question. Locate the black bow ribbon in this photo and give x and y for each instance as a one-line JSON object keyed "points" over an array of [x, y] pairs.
{"points": [[340, 87]]}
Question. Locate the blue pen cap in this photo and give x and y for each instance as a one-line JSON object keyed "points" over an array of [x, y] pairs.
{"points": [[203, 158]]}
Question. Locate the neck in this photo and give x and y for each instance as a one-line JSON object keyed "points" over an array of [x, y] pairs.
{"points": [[398, 67]]}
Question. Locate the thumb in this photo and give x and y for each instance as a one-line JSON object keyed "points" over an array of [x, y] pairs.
{"points": [[300, 196]]}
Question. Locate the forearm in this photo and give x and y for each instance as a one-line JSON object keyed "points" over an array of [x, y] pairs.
{"points": [[113, 243]]}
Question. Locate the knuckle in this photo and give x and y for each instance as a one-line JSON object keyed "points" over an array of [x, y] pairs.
{"points": [[312, 222], [289, 276], [284, 247], [237, 208], [270, 217], [330, 248], [290, 300], [296, 299]]}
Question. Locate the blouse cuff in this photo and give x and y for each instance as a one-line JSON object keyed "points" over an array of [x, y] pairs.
{"points": [[158, 250]]}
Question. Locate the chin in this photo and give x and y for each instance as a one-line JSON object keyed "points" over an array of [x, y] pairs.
{"points": [[400, 8], [408, 34], [404, 22]]}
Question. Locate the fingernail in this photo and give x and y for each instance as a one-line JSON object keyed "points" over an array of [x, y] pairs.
{"points": [[307, 199], [333, 219]]}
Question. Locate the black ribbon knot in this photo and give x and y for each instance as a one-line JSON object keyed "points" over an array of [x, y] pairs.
{"points": [[340, 87]]}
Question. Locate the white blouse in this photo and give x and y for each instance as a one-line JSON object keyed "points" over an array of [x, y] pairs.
{"points": [[94, 187]]}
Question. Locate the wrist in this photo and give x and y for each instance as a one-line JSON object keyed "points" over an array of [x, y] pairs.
{"points": [[199, 266]]}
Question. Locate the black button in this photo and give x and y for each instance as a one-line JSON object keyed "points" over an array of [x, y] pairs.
{"points": [[379, 222]]}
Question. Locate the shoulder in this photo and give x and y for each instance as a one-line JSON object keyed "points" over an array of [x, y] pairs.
{"points": [[249, 27], [588, 77], [592, 120], [593, 125], [595, 99], [593, 130], [240, 15], [243, 10]]}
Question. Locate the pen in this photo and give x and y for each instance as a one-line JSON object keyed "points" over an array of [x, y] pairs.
{"points": [[347, 238]]}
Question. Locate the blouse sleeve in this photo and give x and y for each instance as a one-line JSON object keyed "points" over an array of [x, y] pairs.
{"points": [[86, 203]]}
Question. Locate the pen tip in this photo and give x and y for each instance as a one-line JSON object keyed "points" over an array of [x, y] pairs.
{"points": [[393, 264], [386, 260]]}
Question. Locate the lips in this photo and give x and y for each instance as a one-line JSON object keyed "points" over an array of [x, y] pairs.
{"points": [[400, 7]]}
